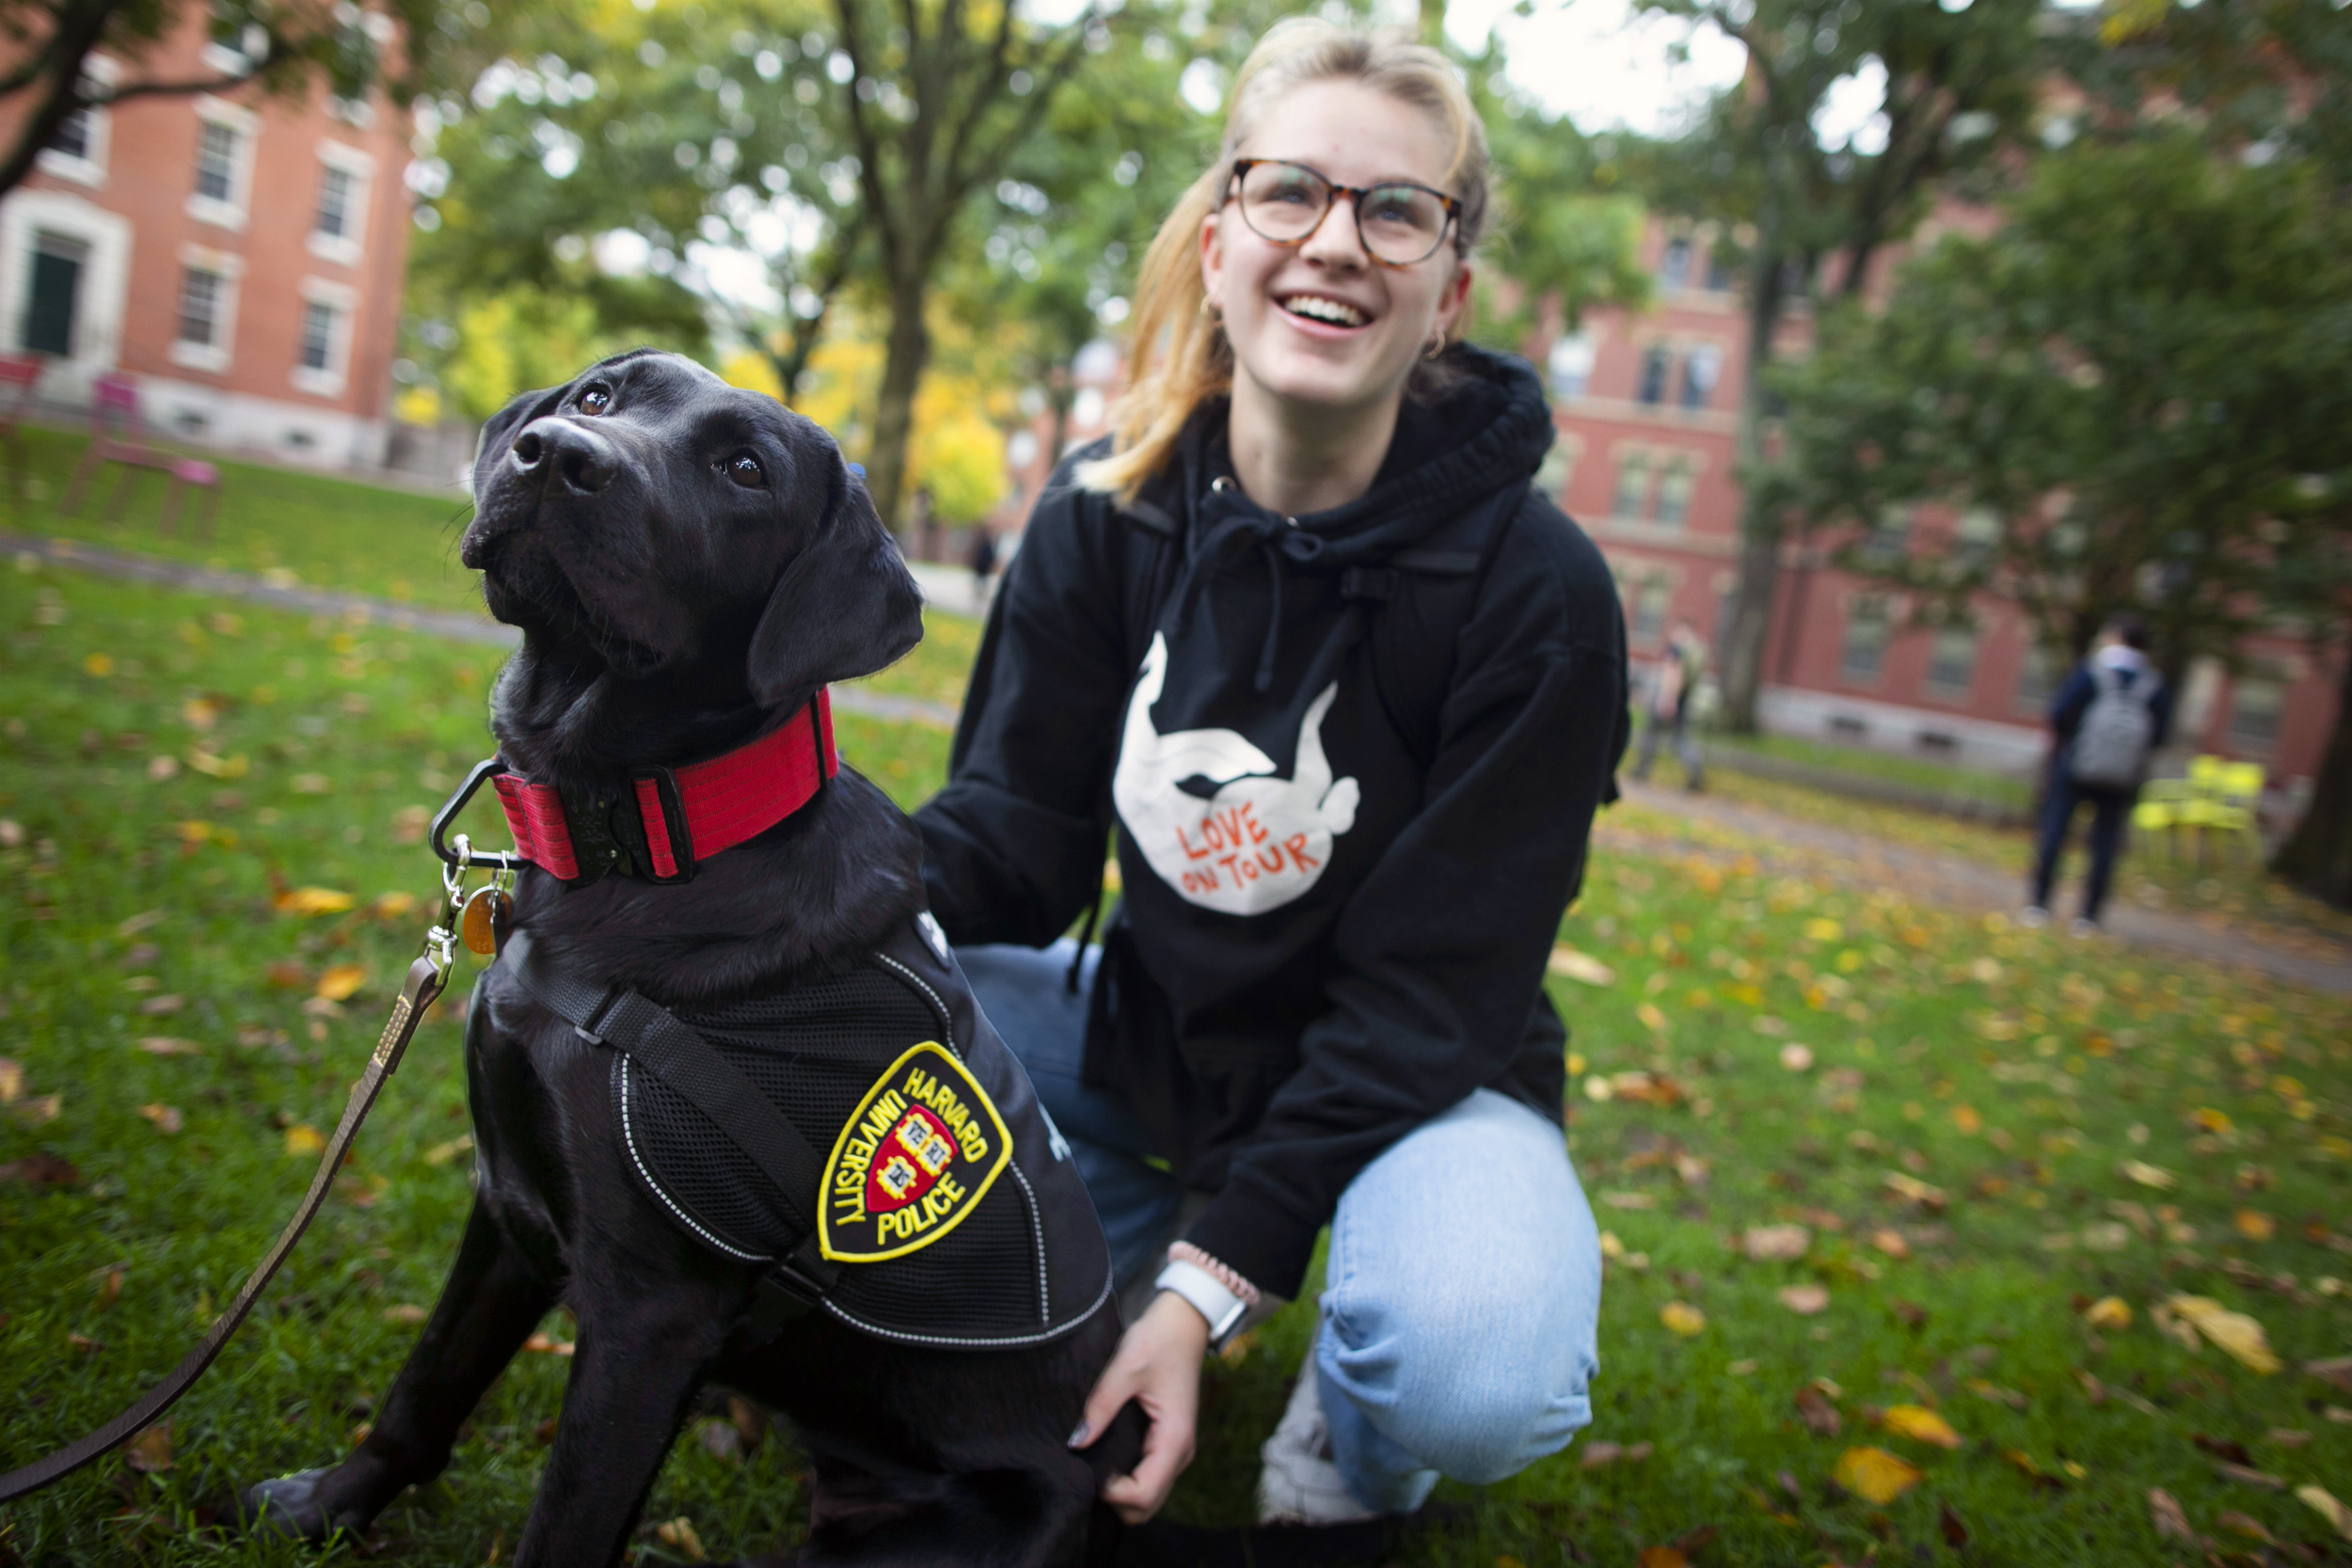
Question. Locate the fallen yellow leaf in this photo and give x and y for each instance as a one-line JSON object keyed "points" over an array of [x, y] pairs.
{"points": [[1651, 1017], [2148, 1174], [12, 1081], [1967, 1120], [340, 982], [679, 1535], [1804, 1300], [1891, 1242], [1874, 1475], [1570, 964], [311, 900], [2108, 1312], [406, 1313], [1795, 1058], [1776, 1244], [1682, 1318], [2254, 1225], [2321, 1501], [1663, 1556], [303, 1138], [167, 1118], [1921, 1425], [2164, 1511], [2234, 1332], [150, 1450], [168, 1045], [1823, 930]]}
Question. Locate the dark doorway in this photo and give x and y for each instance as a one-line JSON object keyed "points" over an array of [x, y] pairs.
{"points": [[54, 299]]}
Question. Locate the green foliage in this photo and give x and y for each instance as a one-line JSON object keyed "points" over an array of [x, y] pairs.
{"points": [[2142, 380], [1564, 234]]}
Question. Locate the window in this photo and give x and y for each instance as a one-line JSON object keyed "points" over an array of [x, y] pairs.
{"points": [[1632, 499], [1718, 268], [1952, 661], [2256, 705], [216, 161], [1701, 368], [338, 190], [1673, 492], [1974, 538], [1557, 468], [1571, 364], [1649, 609], [1865, 654], [76, 135], [1674, 268], [1655, 360], [1886, 543], [2034, 684], [204, 300], [317, 349], [53, 302]]}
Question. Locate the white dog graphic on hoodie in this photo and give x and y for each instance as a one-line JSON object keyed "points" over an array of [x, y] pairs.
{"points": [[1260, 841]]}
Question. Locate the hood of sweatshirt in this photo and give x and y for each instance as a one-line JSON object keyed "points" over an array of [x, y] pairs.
{"points": [[1485, 432]]}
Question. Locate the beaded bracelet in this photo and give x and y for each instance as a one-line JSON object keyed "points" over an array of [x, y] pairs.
{"points": [[1184, 1252]]}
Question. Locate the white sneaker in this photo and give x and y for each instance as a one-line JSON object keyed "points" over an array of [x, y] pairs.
{"points": [[2033, 917], [1301, 1484]]}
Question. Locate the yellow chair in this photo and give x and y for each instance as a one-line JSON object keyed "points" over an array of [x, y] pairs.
{"points": [[2225, 798], [2159, 810]]}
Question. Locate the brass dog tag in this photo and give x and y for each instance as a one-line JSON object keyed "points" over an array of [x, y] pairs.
{"points": [[485, 911]]}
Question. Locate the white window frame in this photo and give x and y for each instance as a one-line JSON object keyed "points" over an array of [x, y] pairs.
{"points": [[347, 248], [230, 214], [344, 301], [90, 168], [218, 355]]}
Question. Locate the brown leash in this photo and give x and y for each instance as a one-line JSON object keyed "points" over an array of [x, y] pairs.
{"points": [[426, 977]]}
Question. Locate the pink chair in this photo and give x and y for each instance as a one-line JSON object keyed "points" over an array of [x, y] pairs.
{"points": [[19, 376], [114, 429]]}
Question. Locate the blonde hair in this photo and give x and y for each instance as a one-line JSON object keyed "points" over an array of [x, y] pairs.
{"points": [[1180, 358]]}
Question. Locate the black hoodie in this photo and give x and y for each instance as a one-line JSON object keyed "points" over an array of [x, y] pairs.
{"points": [[1336, 909]]}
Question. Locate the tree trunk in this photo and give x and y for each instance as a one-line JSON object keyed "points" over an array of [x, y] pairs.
{"points": [[2317, 856], [908, 351], [1749, 624], [78, 30]]}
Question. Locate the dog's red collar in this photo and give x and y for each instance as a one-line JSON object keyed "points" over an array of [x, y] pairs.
{"points": [[675, 818]]}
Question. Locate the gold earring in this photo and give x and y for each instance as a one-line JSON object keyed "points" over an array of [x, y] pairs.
{"points": [[1435, 346], [1210, 309]]}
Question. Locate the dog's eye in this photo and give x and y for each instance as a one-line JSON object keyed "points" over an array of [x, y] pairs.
{"points": [[745, 470], [596, 398]]}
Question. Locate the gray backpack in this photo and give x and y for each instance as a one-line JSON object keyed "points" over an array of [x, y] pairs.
{"points": [[2111, 747]]}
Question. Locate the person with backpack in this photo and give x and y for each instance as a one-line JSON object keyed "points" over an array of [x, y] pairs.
{"points": [[2106, 721], [1673, 684], [1343, 688]]}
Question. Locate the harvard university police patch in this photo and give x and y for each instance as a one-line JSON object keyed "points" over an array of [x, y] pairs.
{"points": [[915, 1158]]}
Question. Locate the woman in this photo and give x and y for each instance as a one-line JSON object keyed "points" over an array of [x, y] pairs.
{"points": [[1348, 692]]}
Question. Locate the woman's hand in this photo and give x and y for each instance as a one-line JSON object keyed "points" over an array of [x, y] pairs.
{"points": [[1158, 1366]]}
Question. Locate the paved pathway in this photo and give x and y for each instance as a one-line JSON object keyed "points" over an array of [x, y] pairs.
{"points": [[464, 626], [1930, 876], [1816, 848]]}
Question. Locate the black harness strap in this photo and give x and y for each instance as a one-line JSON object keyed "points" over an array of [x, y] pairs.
{"points": [[654, 1037]]}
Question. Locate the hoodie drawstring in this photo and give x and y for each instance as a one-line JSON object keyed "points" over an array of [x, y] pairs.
{"points": [[1277, 538]]}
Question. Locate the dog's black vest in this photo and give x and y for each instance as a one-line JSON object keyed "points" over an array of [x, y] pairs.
{"points": [[866, 1137]]}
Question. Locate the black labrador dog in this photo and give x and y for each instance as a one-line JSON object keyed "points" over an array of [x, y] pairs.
{"points": [[690, 565]]}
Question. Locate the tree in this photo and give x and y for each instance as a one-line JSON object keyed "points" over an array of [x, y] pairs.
{"points": [[281, 46], [936, 103], [1958, 86], [1567, 236], [2138, 388]]}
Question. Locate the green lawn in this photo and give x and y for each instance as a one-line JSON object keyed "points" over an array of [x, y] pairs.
{"points": [[1928, 777], [1958, 1140]]}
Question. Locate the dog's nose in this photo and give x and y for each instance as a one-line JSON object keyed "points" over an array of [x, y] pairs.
{"points": [[578, 458]]}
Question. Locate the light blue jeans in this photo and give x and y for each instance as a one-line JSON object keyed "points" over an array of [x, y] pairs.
{"points": [[1462, 1288]]}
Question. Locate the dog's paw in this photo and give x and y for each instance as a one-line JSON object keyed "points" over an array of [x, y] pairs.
{"points": [[292, 1506]]}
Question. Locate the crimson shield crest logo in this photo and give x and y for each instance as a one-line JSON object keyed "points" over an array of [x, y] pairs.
{"points": [[914, 1160]]}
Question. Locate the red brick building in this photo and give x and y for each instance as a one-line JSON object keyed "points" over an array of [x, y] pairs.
{"points": [[1647, 404], [238, 255]]}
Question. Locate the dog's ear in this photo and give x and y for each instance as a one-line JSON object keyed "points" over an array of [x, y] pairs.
{"points": [[845, 607]]}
